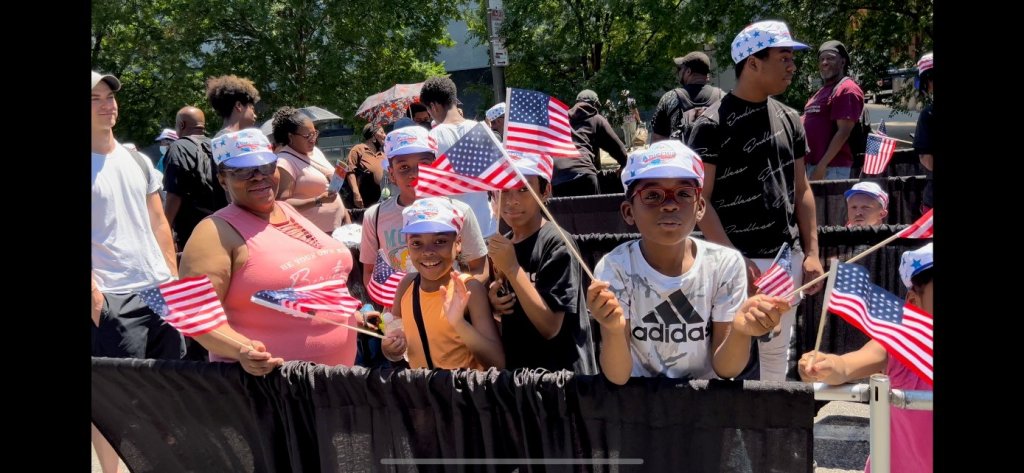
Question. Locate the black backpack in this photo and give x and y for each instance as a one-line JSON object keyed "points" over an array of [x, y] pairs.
{"points": [[861, 128], [684, 126]]}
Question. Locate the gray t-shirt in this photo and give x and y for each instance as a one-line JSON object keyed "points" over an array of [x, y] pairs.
{"points": [[670, 316], [391, 238]]}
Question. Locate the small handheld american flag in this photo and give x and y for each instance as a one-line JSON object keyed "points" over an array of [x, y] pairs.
{"points": [[538, 123], [776, 280], [384, 281], [903, 329], [878, 153], [189, 305], [306, 301], [922, 228], [475, 163]]}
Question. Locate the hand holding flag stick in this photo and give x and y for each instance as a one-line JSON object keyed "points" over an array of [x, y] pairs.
{"points": [[922, 228]]}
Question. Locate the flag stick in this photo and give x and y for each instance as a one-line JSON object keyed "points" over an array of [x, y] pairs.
{"points": [[233, 339], [851, 260], [304, 315], [902, 141], [544, 208], [831, 274]]}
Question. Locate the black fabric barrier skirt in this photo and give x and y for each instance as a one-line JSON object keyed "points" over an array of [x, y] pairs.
{"points": [[174, 416]]}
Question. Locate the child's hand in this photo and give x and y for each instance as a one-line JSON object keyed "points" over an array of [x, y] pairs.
{"points": [[604, 306], [759, 315], [828, 368], [455, 302], [502, 253], [394, 344], [500, 304]]}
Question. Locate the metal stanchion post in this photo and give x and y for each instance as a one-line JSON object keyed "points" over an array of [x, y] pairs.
{"points": [[879, 402]]}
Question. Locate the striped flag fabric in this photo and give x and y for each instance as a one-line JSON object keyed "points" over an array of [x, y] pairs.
{"points": [[878, 153], [189, 305], [776, 280], [538, 123], [903, 329], [306, 301], [922, 228], [475, 163], [384, 281]]}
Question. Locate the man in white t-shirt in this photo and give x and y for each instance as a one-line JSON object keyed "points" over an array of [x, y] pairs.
{"points": [[670, 304], [438, 95], [132, 248]]}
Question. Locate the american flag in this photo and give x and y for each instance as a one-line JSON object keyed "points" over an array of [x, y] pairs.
{"points": [[330, 296], [384, 281], [922, 228], [474, 163], [881, 128], [776, 281], [539, 123], [903, 329], [190, 305], [878, 153]]}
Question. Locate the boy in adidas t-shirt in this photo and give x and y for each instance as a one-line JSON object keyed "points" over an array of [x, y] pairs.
{"points": [[669, 304]]}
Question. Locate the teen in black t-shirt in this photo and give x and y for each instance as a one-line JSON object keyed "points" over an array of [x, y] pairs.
{"points": [[539, 293]]}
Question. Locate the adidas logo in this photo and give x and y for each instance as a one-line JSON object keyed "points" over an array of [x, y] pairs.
{"points": [[674, 321]]}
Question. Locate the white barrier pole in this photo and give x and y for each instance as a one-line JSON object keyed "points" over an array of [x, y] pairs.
{"points": [[879, 408]]}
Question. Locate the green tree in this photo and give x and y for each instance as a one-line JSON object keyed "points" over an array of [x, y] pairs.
{"points": [[563, 46], [329, 53]]}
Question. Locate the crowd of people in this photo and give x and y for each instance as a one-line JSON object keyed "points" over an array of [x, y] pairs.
{"points": [[254, 212]]}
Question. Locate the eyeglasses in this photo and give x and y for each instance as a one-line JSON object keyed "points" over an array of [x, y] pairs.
{"points": [[247, 173], [654, 196], [311, 136]]}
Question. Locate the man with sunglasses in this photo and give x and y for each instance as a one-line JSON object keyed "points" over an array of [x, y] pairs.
{"points": [[758, 195], [669, 304]]}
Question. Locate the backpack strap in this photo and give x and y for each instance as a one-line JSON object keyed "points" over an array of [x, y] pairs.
{"points": [[835, 90], [140, 160], [417, 313]]}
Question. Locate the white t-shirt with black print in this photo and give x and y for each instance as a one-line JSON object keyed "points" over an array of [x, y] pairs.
{"points": [[670, 316]]}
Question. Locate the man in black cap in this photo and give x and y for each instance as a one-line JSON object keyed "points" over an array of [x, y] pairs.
{"points": [[831, 114], [692, 71]]}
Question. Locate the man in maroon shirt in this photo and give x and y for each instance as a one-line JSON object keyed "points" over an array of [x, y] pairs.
{"points": [[830, 115]]}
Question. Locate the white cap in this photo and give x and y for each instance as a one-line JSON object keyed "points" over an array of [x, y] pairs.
{"points": [[668, 158], [409, 140], [243, 149], [871, 189], [167, 134], [761, 35], [915, 261], [532, 164], [431, 215], [496, 111], [112, 82]]}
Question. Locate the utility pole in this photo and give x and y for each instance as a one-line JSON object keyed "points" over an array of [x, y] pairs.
{"points": [[499, 55]]}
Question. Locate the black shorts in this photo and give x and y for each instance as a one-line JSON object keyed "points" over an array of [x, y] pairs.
{"points": [[130, 329]]}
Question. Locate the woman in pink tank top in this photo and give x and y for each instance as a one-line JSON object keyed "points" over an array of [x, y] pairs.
{"points": [[258, 243]]}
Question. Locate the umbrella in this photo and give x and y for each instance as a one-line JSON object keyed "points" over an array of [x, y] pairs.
{"points": [[388, 106], [316, 114]]}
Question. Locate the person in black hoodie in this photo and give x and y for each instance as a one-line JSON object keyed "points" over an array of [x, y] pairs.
{"points": [[590, 132]]}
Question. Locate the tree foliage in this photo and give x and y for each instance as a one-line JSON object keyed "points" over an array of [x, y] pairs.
{"points": [[564, 46], [329, 53]]}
